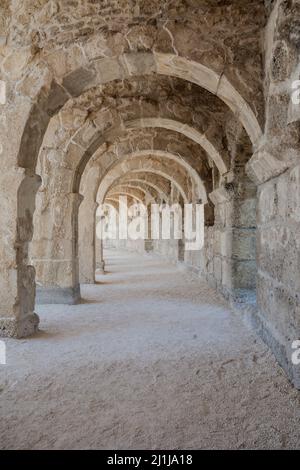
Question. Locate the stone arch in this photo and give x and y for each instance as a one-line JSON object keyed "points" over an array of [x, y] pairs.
{"points": [[83, 127], [184, 129], [128, 164], [49, 100], [52, 95], [71, 215], [135, 179], [153, 191], [124, 192], [82, 157], [137, 160], [146, 195]]}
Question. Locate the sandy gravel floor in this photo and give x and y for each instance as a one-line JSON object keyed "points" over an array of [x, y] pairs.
{"points": [[152, 358]]}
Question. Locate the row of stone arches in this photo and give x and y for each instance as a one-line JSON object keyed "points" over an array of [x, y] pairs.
{"points": [[87, 118], [51, 98]]}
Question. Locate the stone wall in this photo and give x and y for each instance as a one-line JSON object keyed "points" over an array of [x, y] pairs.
{"points": [[279, 265], [276, 169]]}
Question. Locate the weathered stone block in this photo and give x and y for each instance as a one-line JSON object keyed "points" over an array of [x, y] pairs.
{"points": [[79, 80], [243, 244]]}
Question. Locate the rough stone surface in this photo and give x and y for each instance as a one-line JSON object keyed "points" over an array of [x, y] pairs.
{"points": [[161, 362], [174, 102]]}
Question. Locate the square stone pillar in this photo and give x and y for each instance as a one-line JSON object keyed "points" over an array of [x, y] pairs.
{"points": [[87, 241], [55, 252], [235, 240], [17, 278]]}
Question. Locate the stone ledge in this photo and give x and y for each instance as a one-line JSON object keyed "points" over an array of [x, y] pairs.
{"points": [[16, 328], [221, 195], [263, 166], [58, 295]]}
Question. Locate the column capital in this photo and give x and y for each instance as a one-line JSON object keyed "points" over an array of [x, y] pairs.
{"points": [[263, 166], [220, 196]]}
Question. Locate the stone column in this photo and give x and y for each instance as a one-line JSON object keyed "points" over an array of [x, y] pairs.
{"points": [[244, 268], [55, 251], [209, 214], [181, 241], [17, 318], [173, 243], [100, 264], [149, 241], [234, 268], [87, 241]]}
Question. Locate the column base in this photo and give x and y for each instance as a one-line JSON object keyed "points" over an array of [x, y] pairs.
{"points": [[243, 296], [100, 266], [87, 280], [148, 246], [16, 328], [58, 295]]}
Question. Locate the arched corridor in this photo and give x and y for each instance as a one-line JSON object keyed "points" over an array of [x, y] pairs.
{"points": [[150, 220], [153, 358]]}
